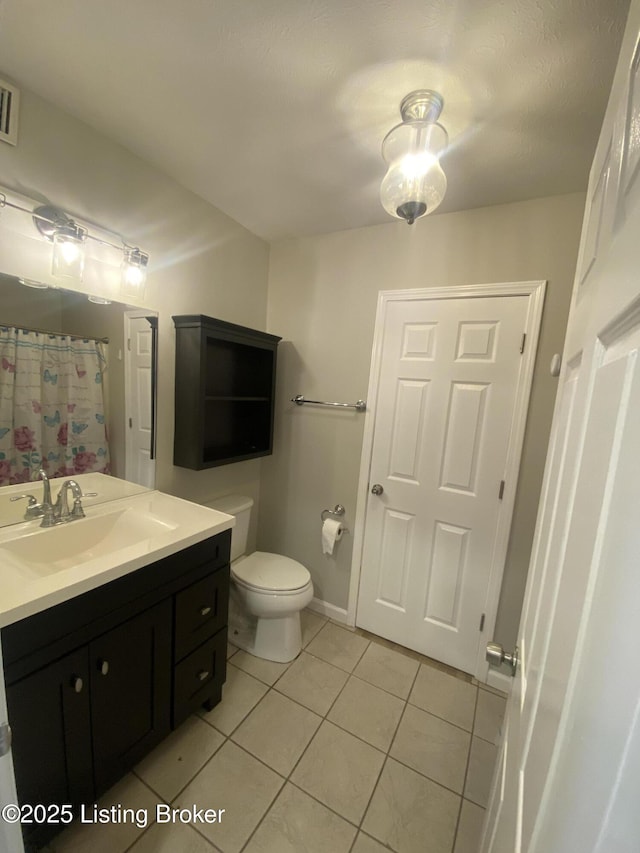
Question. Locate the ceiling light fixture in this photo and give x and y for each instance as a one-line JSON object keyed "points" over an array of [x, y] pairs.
{"points": [[415, 184]]}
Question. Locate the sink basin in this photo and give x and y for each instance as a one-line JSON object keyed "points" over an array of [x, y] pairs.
{"points": [[44, 552]]}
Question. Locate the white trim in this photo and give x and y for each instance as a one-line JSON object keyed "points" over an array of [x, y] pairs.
{"points": [[500, 680], [338, 614], [535, 291]]}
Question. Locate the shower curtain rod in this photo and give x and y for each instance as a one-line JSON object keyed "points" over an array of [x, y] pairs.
{"points": [[55, 334]]}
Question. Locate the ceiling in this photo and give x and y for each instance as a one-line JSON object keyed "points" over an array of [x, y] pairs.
{"points": [[274, 111]]}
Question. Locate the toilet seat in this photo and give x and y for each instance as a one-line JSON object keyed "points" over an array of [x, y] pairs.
{"points": [[270, 573]]}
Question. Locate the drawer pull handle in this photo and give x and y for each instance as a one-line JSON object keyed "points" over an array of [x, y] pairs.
{"points": [[77, 683], [205, 611], [203, 675], [103, 667]]}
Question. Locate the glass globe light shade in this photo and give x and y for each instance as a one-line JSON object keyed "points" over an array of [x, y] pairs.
{"points": [[415, 183], [68, 251], [134, 272]]}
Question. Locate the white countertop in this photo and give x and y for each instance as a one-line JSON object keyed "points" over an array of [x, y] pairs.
{"points": [[108, 546]]}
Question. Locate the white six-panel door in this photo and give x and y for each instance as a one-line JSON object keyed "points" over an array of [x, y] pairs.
{"points": [[447, 399], [139, 367], [569, 774]]}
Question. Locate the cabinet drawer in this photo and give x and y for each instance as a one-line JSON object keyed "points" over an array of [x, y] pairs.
{"points": [[201, 611], [199, 677]]}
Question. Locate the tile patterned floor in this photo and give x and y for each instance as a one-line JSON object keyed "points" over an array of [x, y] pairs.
{"points": [[357, 746]]}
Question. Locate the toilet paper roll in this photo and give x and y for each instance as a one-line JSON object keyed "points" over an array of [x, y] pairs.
{"points": [[332, 531]]}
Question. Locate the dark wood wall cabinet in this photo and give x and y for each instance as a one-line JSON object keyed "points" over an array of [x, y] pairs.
{"points": [[94, 683], [225, 388]]}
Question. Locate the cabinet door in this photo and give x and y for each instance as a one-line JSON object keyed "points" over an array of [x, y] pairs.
{"points": [[130, 674], [50, 722]]}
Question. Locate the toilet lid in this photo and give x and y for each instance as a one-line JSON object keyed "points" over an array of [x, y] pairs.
{"points": [[271, 571]]}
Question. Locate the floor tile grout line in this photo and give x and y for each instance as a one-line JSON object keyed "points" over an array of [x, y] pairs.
{"points": [[439, 717], [153, 822], [466, 771], [373, 791]]}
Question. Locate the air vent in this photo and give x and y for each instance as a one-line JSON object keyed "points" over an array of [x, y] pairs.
{"points": [[9, 103]]}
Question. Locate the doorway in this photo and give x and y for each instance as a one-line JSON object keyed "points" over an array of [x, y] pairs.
{"points": [[449, 390]]}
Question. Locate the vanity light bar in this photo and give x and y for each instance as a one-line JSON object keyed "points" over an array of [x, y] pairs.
{"points": [[50, 220]]}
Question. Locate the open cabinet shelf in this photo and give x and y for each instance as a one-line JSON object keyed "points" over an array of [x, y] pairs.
{"points": [[225, 387]]}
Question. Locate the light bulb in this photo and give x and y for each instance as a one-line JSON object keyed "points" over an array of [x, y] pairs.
{"points": [[134, 272], [68, 251]]}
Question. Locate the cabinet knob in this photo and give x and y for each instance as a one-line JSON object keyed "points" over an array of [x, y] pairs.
{"points": [[203, 675], [77, 683], [205, 611], [103, 667]]}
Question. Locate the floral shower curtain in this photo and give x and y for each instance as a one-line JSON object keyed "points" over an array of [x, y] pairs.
{"points": [[52, 411]]}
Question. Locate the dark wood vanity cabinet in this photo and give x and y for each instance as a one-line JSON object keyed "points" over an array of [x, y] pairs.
{"points": [[224, 392], [94, 683]]}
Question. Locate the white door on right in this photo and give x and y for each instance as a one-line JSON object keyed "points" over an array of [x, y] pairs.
{"points": [[452, 372], [569, 776]]}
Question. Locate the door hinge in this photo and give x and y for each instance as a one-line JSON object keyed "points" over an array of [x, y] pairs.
{"points": [[501, 490], [129, 344], [522, 343], [482, 622], [130, 423]]}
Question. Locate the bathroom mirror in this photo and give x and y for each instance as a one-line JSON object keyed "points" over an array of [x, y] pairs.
{"points": [[128, 376]]}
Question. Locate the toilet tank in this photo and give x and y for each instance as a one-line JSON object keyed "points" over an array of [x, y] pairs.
{"points": [[240, 507]]}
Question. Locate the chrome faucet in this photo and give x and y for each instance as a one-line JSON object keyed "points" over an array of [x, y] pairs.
{"points": [[58, 512]]}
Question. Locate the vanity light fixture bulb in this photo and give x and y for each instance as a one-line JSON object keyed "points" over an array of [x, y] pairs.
{"points": [[68, 251], [134, 271]]}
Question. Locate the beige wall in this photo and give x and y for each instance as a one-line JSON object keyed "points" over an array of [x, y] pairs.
{"points": [[322, 300], [201, 261]]}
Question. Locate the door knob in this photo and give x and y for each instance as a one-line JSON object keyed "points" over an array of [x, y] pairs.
{"points": [[496, 656], [377, 489]]}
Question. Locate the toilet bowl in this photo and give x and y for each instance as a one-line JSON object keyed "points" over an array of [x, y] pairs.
{"points": [[270, 590]]}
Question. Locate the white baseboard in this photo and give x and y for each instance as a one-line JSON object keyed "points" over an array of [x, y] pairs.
{"points": [[338, 614], [499, 680]]}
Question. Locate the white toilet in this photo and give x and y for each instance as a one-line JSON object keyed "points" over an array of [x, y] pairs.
{"points": [[268, 592]]}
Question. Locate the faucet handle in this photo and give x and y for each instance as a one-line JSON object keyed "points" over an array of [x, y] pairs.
{"points": [[33, 510], [77, 511]]}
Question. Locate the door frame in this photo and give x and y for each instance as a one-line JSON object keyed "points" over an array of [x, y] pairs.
{"points": [[535, 292]]}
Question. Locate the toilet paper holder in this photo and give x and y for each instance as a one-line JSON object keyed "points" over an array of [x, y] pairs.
{"points": [[337, 512]]}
